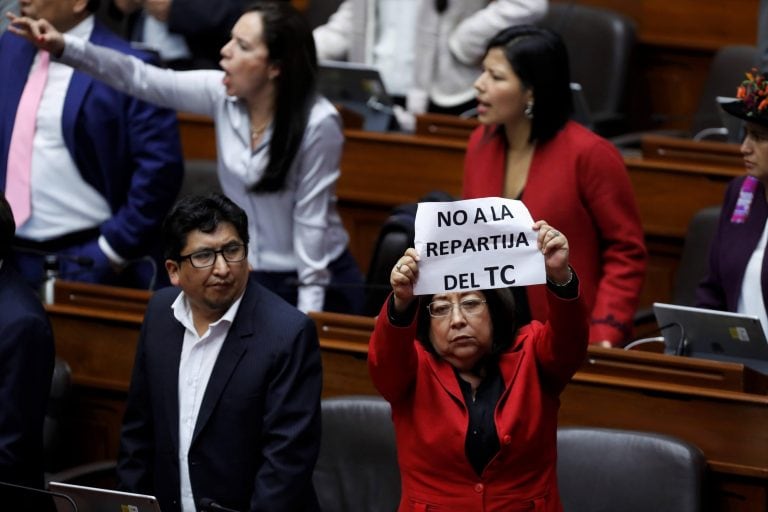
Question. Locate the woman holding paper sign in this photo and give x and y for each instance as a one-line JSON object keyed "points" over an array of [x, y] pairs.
{"points": [[529, 149], [475, 399]]}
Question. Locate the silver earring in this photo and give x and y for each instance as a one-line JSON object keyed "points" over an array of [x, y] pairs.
{"points": [[528, 110]]}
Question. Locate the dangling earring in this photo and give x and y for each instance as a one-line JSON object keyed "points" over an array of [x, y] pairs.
{"points": [[528, 110]]}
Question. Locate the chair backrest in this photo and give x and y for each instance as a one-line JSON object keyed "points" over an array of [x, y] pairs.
{"points": [[357, 467], [604, 470], [395, 236], [318, 11], [600, 44], [61, 384], [200, 177], [694, 260], [725, 73]]}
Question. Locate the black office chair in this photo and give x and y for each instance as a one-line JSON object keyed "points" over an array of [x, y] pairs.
{"points": [[61, 384], [709, 122], [694, 260], [318, 11], [606, 470], [98, 474], [357, 468], [725, 73], [693, 265], [600, 43], [395, 236], [200, 177]]}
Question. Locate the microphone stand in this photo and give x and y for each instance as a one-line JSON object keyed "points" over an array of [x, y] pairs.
{"points": [[20, 498], [208, 505]]}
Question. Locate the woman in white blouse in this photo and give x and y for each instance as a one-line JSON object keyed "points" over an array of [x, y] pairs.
{"points": [[278, 143], [738, 270]]}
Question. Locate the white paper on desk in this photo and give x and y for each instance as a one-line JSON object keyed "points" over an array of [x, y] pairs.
{"points": [[476, 244]]}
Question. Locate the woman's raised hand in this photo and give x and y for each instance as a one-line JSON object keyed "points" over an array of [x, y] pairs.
{"points": [[554, 245], [39, 32], [403, 277]]}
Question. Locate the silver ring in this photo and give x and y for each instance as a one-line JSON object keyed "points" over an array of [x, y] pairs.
{"points": [[555, 233]]}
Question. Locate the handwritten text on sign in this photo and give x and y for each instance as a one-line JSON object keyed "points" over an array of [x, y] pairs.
{"points": [[476, 244]]}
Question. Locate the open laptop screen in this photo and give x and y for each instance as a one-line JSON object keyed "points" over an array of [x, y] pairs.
{"points": [[711, 334], [359, 88], [94, 499]]}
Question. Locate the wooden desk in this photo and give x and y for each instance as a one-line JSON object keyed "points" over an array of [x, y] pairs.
{"points": [[705, 402]]}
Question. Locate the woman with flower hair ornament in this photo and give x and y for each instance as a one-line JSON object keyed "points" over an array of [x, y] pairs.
{"points": [[529, 149], [738, 261]]}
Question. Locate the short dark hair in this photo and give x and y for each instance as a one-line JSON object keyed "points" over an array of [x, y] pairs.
{"points": [[291, 47], [204, 213], [540, 60], [501, 306], [7, 227]]}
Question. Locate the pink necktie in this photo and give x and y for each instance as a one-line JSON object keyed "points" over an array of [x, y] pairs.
{"points": [[17, 190]]}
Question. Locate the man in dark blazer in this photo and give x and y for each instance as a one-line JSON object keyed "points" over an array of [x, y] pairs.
{"points": [[203, 26], [112, 165], [225, 395], [26, 367]]}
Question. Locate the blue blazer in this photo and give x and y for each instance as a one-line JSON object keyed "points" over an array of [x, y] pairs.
{"points": [[732, 247], [126, 149], [26, 367], [257, 434]]}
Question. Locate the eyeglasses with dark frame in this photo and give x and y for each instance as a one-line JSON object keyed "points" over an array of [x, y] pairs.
{"points": [[443, 308], [232, 253]]}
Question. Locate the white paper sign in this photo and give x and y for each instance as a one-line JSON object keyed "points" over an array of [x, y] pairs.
{"points": [[476, 244]]}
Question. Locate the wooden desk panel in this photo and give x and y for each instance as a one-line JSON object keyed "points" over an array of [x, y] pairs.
{"points": [[390, 169], [618, 389], [98, 344], [669, 193], [729, 430]]}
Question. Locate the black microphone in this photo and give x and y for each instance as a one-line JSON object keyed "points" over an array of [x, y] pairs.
{"points": [[682, 343], [208, 505], [19, 498]]}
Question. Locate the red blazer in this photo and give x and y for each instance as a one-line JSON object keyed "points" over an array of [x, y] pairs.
{"points": [[431, 418], [579, 184]]}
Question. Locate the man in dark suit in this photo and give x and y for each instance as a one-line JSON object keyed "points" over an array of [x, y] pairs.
{"points": [[225, 394], [26, 367], [105, 167], [188, 34]]}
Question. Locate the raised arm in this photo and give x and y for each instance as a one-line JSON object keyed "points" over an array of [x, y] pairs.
{"points": [[190, 91]]}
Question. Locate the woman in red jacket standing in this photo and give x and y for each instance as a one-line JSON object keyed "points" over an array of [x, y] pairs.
{"points": [[475, 400], [529, 149]]}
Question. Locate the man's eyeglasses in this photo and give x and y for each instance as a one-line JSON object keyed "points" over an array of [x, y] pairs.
{"points": [[442, 308], [205, 258]]}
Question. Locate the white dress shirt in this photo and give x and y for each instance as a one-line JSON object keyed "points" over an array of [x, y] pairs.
{"points": [[751, 296], [296, 229], [198, 357], [62, 201], [393, 49]]}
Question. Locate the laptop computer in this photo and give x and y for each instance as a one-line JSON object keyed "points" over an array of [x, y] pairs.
{"points": [[359, 88], [93, 499], [711, 334]]}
